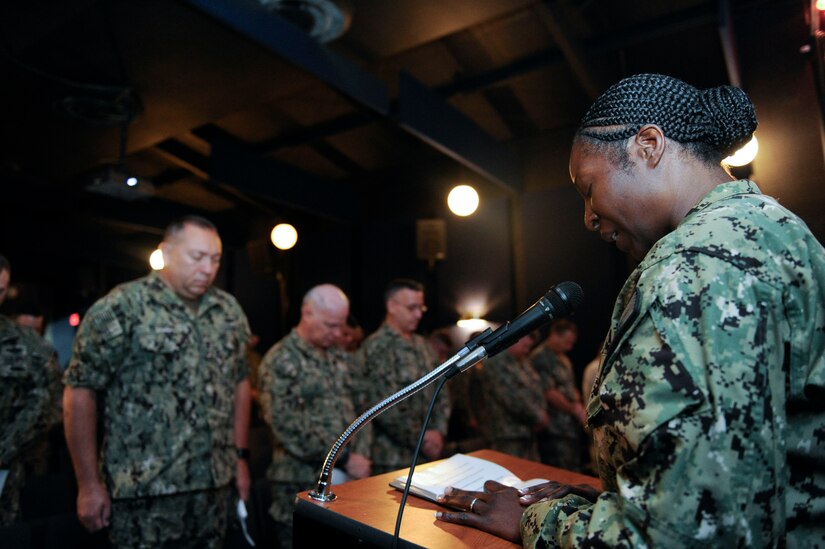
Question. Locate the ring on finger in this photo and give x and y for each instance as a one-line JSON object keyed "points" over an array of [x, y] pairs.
{"points": [[472, 504]]}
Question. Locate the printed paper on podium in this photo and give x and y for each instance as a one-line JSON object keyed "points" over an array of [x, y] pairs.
{"points": [[460, 471]]}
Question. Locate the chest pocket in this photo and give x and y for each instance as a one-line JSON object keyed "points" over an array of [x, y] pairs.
{"points": [[162, 338]]}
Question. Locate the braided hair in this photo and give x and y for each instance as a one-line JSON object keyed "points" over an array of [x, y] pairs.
{"points": [[711, 123]]}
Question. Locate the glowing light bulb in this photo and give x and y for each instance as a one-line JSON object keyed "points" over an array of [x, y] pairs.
{"points": [[463, 200], [284, 236], [745, 155], [156, 260]]}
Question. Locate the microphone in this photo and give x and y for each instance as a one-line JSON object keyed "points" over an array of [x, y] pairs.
{"points": [[561, 300]]}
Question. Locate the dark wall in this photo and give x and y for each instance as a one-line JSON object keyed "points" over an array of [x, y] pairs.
{"points": [[478, 262], [558, 248], [477, 272], [779, 80]]}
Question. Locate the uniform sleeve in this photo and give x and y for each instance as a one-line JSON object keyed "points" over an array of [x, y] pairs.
{"points": [[290, 405], [98, 347], [692, 407], [33, 394]]}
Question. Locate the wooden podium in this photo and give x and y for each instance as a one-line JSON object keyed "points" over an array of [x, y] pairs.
{"points": [[365, 511]]}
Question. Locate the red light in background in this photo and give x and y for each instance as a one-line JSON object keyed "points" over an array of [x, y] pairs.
{"points": [[74, 320]]}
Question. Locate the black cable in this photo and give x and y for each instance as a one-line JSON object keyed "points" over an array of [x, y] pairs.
{"points": [[414, 459]]}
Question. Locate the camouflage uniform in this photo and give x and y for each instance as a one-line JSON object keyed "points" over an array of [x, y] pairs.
{"points": [[708, 409], [513, 404], [166, 377], [29, 405], [306, 398], [389, 364], [560, 444]]}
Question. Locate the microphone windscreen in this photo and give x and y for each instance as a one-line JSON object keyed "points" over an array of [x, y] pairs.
{"points": [[565, 297]]}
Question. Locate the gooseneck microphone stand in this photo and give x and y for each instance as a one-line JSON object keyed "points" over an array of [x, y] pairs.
{"points": [[471, 354]]}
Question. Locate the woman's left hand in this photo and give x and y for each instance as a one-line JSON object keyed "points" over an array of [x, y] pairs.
{"points": [[496, 510]]}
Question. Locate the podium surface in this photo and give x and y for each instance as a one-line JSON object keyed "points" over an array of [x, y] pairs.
{"points": [[366, 510]]}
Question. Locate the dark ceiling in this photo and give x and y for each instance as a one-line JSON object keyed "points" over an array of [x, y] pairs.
{"points": [[224, 108]]}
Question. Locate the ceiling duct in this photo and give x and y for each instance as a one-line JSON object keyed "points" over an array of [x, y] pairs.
{"points": [[116, 183], [102, 109], [323, 20]]}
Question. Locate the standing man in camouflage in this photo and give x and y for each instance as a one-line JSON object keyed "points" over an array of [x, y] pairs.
{"points": [[514, 408], [163, 359], [29, 400], [708, 411], [393, 357], [306, 398], [560, 444]]}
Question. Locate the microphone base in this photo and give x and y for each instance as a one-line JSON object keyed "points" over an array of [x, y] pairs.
{"points": [[322, 496]]}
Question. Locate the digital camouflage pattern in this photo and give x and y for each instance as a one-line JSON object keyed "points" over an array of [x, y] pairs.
{"points": [[556, 374], [167, 379], [389, 363], [709, 412], [306, 398], [560, 445], [29, 405], [513, 404], [194, 520]]}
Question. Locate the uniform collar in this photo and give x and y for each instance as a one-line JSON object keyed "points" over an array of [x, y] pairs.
{"points": [[668, 243], [723, 192], [308, 348], [167, 296]]}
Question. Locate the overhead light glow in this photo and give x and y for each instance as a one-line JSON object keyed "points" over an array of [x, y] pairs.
{"points": [[284, 236], [131, 181], [745, 155], [820, 5], [156, 260], [472, 324], [74, 320], [463, 200]]}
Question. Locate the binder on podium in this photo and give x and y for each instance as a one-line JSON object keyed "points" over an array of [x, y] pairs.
{"points": [[365, 510]]}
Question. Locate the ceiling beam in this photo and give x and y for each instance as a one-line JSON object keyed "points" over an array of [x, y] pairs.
{"points": [[295, 46], [702, 14], [427, 116], [237, 164], [553, 20], [185, 157], [728, 39]]}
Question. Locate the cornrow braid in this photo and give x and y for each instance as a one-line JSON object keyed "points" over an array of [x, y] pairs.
{"points": [[713, 123]]}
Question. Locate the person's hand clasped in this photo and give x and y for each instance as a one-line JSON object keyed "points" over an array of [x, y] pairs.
{"points": [[555, 490], [497, 510], [358, 466]]}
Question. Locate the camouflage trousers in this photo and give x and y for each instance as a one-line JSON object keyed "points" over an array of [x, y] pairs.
{"points": [[10, 498], [283, 503], [190, 519]]}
